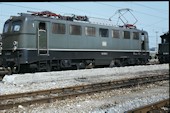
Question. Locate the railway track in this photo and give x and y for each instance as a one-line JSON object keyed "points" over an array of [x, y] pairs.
{"points": [[158, 107], [45, 96]]}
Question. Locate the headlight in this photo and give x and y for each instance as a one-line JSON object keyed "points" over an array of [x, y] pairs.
{"points": [[1, 44], [15, 43]]}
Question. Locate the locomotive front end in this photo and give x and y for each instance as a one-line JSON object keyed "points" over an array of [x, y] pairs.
{"points": [[13, 43]]}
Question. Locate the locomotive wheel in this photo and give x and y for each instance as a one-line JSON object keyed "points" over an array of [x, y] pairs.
{"points": [[90, 66], [112, 64], [78, 66], [118, 63]]}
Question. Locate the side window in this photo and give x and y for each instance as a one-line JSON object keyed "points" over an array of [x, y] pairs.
{"points": [[6, 26], [58, 28], [136, 35], [115, 34], [75, 30], [90, 31], [103, 32], [16, 26], [126, 34]]}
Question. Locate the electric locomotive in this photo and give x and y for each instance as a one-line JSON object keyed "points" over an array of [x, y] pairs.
{"points": [[45, 41], [163, 49]]}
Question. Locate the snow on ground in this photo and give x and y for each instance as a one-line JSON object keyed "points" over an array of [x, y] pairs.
{"points": [[39, 81]]}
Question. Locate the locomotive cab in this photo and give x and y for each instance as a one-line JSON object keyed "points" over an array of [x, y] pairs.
{"points": [[17, 35], [163, 49], [24, 41], [144, 41]]}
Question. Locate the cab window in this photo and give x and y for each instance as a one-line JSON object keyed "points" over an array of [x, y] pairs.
{"points": [[6, 26], [16, 26]]}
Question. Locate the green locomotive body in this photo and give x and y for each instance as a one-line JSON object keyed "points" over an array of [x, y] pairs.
{"points": [[37, 43]]}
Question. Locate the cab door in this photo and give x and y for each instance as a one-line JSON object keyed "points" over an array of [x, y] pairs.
{"points": [[143, 48], [43, 38]]}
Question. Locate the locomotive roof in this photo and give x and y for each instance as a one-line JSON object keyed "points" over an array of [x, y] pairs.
{"points": [[34, 17]]}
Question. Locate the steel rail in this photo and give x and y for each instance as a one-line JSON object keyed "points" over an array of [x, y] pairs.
{"points": [[62, 93], [158, 107]]}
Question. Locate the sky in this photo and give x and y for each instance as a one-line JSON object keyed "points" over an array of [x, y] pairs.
{"points": [[152, 16]]}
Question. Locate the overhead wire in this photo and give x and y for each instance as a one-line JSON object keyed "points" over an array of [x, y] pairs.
{"points": [[20, 6], [57, 11], [32, 8], [135, 10], [154, 23], [150, 7], [88, 11]]}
